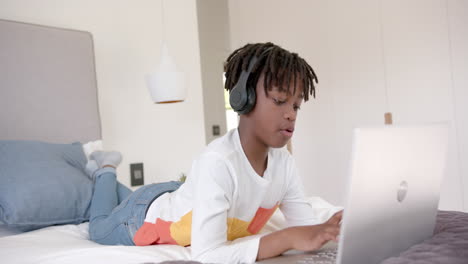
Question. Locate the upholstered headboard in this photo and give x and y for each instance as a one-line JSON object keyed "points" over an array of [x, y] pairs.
{"points": [[47, 84]]}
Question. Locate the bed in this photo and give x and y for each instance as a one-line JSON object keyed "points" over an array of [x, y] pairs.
{"points": [[57, 104]]}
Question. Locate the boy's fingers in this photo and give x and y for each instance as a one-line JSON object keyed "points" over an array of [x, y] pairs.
{"points": [[336, 218], [339, 214], [333, 230], [329, 237]]}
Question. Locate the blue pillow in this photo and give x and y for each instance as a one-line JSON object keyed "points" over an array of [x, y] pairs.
{"points": [[43, 184]]}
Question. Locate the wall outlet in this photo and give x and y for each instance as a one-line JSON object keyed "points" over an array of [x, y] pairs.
{"points": [[136, 174]]}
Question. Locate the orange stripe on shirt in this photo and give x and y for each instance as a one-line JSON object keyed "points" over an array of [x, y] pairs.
{"points": [[179, 233], [151, 234], [260, 219]]}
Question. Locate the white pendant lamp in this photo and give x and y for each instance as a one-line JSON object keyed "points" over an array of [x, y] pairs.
{"points": [[166, 84]]}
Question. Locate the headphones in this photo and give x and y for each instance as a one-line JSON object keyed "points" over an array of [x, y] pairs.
{"points": [[242, 97]]}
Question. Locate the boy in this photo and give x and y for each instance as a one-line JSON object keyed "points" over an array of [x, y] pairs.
{"points": [[237, 182]]}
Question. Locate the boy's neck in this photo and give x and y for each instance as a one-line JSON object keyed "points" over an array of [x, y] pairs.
{"points": [[255, 151]]}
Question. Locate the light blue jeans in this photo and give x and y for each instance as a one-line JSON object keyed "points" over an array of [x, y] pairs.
{"points": [[116, 213]]}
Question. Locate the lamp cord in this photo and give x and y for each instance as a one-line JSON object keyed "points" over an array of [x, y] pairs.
{"points": [[387, 103], [162, 22]]}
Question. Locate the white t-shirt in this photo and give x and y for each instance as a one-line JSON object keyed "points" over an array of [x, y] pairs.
{"points": [[224, 203]]}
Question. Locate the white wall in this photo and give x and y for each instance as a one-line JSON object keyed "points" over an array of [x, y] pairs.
{"points": [[127, 37], [407, 57], [418, 64]]}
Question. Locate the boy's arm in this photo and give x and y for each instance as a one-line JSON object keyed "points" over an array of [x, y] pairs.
{"points": [[306, 231]]}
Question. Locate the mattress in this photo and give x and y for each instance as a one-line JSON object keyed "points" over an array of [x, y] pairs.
{"points": [[70, 244]]}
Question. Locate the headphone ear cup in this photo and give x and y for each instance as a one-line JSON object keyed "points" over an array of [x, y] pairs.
{"points": [[251, 99], [238, 96], [242, 97], [235, 99]]}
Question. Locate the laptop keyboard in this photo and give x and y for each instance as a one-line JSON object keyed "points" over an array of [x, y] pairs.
{"points": [[323, 257]]}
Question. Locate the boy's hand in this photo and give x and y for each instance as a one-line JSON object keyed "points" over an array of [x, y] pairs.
{"points": [[304, 238], [307, 238]]}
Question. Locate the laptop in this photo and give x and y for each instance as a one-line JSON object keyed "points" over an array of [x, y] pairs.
{"points": [[392, 198]]}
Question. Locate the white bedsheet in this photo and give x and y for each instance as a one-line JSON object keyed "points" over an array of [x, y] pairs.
{"points": [[71, 244]]}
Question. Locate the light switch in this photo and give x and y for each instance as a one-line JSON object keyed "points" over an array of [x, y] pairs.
{"points": [[136, 174], [216, 130]]}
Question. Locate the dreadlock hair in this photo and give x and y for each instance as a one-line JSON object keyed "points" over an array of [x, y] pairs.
{"points": [[279, 65]]}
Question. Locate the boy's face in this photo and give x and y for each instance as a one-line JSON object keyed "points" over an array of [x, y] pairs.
{"points": [[274, 114]]}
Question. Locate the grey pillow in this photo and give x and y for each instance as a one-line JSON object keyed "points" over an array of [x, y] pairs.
{"points": [[43, 184]]}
